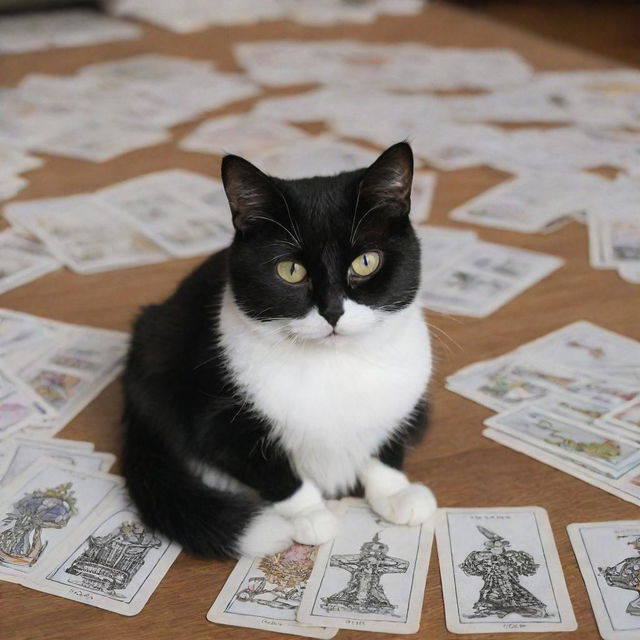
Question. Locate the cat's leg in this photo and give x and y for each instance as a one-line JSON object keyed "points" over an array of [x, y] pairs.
{"points": [[267, 469], [387, 488]]}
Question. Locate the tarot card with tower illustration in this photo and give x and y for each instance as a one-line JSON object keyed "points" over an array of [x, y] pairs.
{"points": [[500, 572], [371, 577], [113, 561], [608, 554], [41, 508]]}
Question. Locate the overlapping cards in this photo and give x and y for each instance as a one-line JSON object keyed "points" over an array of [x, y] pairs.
{"points": [[70, 530], [571, 400], [51, 370], [113, 107], [370, 577], [139, 221], [463, 275]]}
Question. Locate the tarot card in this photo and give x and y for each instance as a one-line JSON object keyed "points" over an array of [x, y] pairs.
{"points": [[19, 407], [607, 554], [501, 572], [322, 155], [441, 245], [508, 381], [371, 577], [41, 507], [265, 593], [422, 190], [112, 561], [626, 488], [530, 203], [85, 235], [590, 349], [98, 140], [26, 451], [584, 444], [182, 227], [240, 134], [484, 279], [20, 267]]}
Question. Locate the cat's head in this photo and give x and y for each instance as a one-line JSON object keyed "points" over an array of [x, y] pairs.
{"points": [[321, 259]]}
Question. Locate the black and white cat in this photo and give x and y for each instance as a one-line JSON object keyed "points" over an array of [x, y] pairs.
{"points": [[289, 368]]}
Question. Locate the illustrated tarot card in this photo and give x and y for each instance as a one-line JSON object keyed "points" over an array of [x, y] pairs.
{"points": [[41, 507], [608, 554], [113, 561], [371, 577], [501, 572]]}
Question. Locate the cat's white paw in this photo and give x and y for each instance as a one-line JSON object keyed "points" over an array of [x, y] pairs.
{"points": [[412, 505], [315, 527], [267, 533]]}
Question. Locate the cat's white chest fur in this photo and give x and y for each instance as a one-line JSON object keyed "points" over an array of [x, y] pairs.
{"points": [[331, 406]]}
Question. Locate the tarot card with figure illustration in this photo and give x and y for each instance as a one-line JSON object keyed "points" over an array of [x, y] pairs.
{"points": [[264, 593], [608, 554], [371, 577], [501, 572], [113, 561], [42, 507]]}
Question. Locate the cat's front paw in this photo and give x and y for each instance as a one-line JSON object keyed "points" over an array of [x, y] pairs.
{"points": [[266, 534], [412, 505], [315, 527]]}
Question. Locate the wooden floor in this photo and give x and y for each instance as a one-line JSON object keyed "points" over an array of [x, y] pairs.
{"points": [[462, 467]]}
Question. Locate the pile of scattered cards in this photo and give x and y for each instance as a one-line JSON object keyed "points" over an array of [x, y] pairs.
{"points": [[463, 275], [380, 66], [570, 399], [71, 28], [139, 221], [193, 15], [69, 528], [110, 108], [371, 577], [51, 370]]}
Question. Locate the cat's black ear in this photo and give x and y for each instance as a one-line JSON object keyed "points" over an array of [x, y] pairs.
{"points": [[387, 182], [251, 193]]}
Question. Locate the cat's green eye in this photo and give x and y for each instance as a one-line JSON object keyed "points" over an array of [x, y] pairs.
{"points": [[290, 271], [366, 264]]}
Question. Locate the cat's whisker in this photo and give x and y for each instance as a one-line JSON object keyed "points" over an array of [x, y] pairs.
{"points": [[297, 244], [366, 213], [293, 224]]}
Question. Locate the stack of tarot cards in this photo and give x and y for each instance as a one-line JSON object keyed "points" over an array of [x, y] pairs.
{"points": [[143, 220], [51, 370], [570, 399], [69, 528], [463, 275]]}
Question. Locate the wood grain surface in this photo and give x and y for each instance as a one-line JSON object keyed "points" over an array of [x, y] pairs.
{"points": [[462, 467]]}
